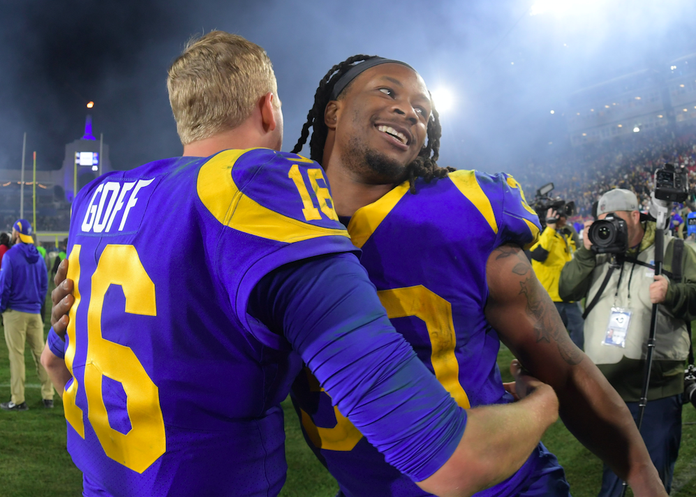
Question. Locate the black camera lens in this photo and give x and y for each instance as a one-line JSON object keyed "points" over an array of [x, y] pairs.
{"points": [[609, 235], [604, 233]]}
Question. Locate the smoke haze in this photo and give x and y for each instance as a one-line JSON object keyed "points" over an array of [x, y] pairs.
{"points": [[506, 68]]}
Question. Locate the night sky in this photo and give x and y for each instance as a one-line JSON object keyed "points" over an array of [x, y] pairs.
{"points": [[506, 68]]}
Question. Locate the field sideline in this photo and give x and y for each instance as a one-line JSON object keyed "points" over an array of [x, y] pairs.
{"points": [[34, 461]]}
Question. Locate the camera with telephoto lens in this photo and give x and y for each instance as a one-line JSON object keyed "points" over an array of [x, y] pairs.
{"points": [[609, 235], [690, 385], [543, 202], [671, 184]]}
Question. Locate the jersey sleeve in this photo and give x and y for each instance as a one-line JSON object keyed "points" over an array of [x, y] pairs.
{"points": [[275, 208], [56, 344], [329, 311], [517, 222]]}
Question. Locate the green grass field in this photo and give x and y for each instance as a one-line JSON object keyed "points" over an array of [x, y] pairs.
{"points": [[34, 461]]}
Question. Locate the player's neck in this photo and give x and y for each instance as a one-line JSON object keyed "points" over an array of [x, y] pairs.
{"points": [[349, 193], [250, 134]]}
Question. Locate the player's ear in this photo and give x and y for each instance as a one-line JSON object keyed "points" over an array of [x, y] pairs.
{"points": [[267, 106], [331, 114]]}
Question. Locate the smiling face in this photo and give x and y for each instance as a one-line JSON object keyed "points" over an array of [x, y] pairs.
{"points": [[379, 124]]}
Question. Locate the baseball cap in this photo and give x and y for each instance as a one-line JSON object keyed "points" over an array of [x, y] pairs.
{"points": [[617, 200], [23, 227]]}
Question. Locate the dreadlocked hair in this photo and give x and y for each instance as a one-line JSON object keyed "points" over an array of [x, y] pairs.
{"points": [[315, 116], [424, 166]]}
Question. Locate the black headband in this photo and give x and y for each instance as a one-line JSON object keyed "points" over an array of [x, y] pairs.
{"points": [[357, 70]]}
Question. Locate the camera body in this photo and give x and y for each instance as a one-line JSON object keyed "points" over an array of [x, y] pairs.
{"points": [[690, 385], [543, 202], [671, 184], [609, 235]]}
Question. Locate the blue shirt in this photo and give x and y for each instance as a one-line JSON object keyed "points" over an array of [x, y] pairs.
{"points": [[23, 279]]}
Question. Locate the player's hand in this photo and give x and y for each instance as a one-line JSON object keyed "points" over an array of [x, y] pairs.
{"points": [[658, 289], [62, 299], [524, 383], [586, 235], [551, 218]]}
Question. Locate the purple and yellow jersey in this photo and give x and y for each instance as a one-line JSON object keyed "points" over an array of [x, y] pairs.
{"points": [[426, 253], [175, 390]]}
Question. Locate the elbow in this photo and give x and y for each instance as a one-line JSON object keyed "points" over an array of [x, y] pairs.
{"points": [[50, 361], [459, 483]]}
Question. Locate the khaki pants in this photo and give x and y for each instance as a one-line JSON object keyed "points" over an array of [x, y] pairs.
{"points": [[21, 327]]}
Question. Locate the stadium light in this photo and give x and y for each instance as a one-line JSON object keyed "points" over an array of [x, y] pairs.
{"points": [[90, 104], [559, 7], [443, 99], [636, 129]]}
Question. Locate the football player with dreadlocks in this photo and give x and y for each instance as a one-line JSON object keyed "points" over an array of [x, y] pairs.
{"points": [[176, 361], [445, 250]]}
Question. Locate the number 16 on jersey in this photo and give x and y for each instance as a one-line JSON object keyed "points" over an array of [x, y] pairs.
{"points": [[319, 194]]}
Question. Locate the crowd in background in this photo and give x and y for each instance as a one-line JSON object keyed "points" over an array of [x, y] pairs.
{"points": [[583, 174]]}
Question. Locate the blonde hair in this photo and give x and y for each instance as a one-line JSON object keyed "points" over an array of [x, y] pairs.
{"points": [[215, 83]]}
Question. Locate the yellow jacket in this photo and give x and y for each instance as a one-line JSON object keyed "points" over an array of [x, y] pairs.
{"points": [[553, 250]]}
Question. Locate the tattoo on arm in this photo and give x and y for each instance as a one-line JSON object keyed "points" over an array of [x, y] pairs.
{"points": [[520, 268], [546, 324], [505, 251]]}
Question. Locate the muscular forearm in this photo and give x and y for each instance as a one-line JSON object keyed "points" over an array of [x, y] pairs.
{"points": [[497, 441], [593, 412], [56, 369], [528, 323]]}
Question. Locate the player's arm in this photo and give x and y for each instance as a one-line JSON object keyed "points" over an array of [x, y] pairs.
{"points": [[527, 322], [52, 359], [330, 313], [485, 445]]}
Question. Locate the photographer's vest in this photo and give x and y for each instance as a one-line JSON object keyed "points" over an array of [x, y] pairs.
{"points": [[624, 367]]}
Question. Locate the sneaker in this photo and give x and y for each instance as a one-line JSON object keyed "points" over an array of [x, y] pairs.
{"points": [[48, 403], [11, 406]]}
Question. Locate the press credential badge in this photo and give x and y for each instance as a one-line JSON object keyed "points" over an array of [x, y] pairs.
{"points": [[618, 327]]}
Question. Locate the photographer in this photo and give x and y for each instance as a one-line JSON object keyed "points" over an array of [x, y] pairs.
{"points": [[617, 326], [554, 249]]}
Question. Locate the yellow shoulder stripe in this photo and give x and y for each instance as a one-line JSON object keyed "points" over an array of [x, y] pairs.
{"points": [[535, 233], [232, 208], [466, 182], [366, 219], [512, 183]]}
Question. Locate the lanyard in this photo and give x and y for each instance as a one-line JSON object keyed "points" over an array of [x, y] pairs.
{"points": [[630, 278]]}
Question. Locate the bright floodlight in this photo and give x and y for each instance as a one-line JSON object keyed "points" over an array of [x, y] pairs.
{"points": [[443, 99], [90, 105], [636, 129], [559, 7]]}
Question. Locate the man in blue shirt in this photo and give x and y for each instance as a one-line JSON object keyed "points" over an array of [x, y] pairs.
{"points": [[23, 286]]}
